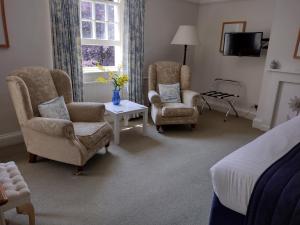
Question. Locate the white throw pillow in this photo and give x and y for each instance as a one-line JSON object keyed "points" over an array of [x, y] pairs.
{"points": [[55, 108], [169, 93]]}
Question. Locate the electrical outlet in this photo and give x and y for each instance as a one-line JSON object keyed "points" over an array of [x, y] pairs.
{"points": [[255, 106]]}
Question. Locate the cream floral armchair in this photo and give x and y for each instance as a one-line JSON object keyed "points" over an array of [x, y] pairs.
{"points": [[172, 113], [72, 141]]}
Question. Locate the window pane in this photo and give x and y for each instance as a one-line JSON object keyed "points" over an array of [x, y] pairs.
{"points": [[86, 29], [86, 10], [100, 31], [111, 13], [100, 12], [93, 54], [111, 31]]}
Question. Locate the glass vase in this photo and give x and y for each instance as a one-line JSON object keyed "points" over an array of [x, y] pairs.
{"points": [[116, 97]]}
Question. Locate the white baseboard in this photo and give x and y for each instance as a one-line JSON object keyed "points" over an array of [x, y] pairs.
{"points": [[11, 138], [257, 123], [242, 112]]}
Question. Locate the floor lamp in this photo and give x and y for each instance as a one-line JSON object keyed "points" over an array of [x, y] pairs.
{"points": [[185, 35]]}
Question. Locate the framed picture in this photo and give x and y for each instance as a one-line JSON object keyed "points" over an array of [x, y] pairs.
{"points": [[297, 48], [4, 43], [228, 27]]}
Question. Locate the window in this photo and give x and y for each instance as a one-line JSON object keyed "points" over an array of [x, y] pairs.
{"points": [[100, 33]]}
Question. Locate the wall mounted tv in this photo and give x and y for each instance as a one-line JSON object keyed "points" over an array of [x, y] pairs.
{"points": [[243, 44]]}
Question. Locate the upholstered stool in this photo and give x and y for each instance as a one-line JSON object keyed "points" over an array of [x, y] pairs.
{"points": [[14, 192]]}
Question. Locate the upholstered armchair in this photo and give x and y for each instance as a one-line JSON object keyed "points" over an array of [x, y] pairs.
{"points": [[185, 112], [72, 141]]}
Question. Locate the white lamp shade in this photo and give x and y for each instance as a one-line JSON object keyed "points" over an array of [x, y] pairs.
{"points": [[185, 35]]}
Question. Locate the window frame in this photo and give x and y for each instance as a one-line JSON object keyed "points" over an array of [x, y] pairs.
{"points": [[94, 41]]}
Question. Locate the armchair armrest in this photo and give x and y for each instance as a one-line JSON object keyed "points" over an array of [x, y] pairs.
{"points": [[86, 111], [154, 97], [190, 98], [3, 196], [52, 127]]}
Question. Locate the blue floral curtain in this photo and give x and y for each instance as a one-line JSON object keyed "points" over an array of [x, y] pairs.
{"points": [[133, 51], [65, 24]]}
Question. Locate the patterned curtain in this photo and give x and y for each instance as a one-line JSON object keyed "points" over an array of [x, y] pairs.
{"points": [[65, 24], [133, 50]]}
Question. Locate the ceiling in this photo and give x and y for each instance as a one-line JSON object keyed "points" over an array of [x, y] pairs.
{"points": [[212, 1]]}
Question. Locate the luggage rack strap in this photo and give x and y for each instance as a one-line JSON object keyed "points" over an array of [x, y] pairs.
{"points": [[217, 94]]}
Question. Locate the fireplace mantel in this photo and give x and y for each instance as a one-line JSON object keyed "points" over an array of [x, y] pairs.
{"points": [[284, 71], [269, 99]]}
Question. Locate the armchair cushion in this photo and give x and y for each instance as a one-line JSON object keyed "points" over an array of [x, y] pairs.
{"points": [[55, 108], [92, 134], [50, 126], [154, 97], [176, 110], [86, 111], [169, 92]]}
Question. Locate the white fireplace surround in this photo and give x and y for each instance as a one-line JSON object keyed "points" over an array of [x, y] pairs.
{"points": [[264, 119]]}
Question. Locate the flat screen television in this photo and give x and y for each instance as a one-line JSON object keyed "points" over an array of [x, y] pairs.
{"points": [[243, 44]]}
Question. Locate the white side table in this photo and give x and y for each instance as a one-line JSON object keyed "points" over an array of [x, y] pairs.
{"points": [[125, 109]]}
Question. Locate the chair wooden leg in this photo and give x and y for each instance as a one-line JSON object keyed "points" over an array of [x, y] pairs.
{"points": [[27, 209], [106, 147], [2, 219], [78, 170], [158, 128], [32, 158]]}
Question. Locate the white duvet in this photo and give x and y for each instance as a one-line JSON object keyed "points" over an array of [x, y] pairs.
{"points": [[234, 176]]}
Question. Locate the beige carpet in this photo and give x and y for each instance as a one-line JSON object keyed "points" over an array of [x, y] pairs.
{"points": [[161, 179]]}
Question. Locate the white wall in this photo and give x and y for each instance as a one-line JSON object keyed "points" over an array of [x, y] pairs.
{"points": [[30, 44], [162, 19], [209, 63], [284, 34], [285, 28]]}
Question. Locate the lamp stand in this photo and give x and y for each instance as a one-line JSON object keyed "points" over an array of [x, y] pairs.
{"points": [[184, 57]]}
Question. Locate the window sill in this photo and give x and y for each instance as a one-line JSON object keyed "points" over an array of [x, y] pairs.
{"points": [[87, 70], [90, 75], [91, 71]]}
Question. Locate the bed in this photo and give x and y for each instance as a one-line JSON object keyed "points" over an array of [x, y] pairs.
{"points": [[246, 182]]}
